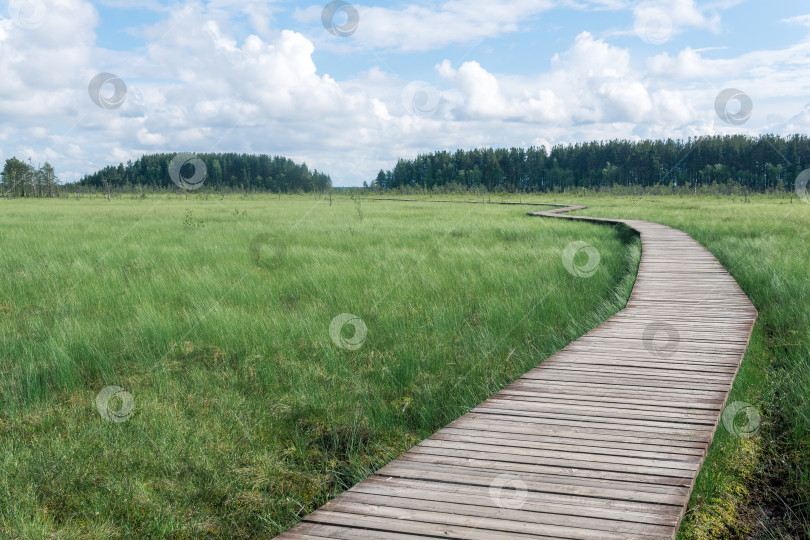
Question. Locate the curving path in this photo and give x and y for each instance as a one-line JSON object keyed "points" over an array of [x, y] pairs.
{"points": [[602, 440]]}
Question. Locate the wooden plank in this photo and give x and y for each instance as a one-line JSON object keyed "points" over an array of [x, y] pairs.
{"points": [[645, 428], [548, 456], [541, 502], [563, 445], [607, 398], [627, 382], [585, 468], [568, 358], [627, 412], [571, 483], [639, 368], [602, 440], [639, 372], [522, 520], [577, 432], [557, 387]]}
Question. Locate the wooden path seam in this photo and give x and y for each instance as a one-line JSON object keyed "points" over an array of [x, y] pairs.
{"points": [[603, 440]]}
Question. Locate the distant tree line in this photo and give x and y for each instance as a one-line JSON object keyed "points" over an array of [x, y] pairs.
{"points": [[24, 179], [226, 172], [762, 164]]}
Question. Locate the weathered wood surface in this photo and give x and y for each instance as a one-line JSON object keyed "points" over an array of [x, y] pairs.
{"points": [[602, 440]]}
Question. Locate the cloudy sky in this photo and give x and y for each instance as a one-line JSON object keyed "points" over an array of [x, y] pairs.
{"points": [[349, 88]]}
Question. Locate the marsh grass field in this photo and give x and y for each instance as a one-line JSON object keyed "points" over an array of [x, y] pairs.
{"points": [[214, 315]]}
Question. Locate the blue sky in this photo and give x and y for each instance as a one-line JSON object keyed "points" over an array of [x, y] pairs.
{"points": [[412, 77]]}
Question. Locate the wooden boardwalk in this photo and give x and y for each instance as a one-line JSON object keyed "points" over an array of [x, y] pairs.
{"points": [[602, 440]]}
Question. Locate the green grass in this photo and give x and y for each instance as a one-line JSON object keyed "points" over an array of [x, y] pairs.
{"points": [[246, 414]]}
